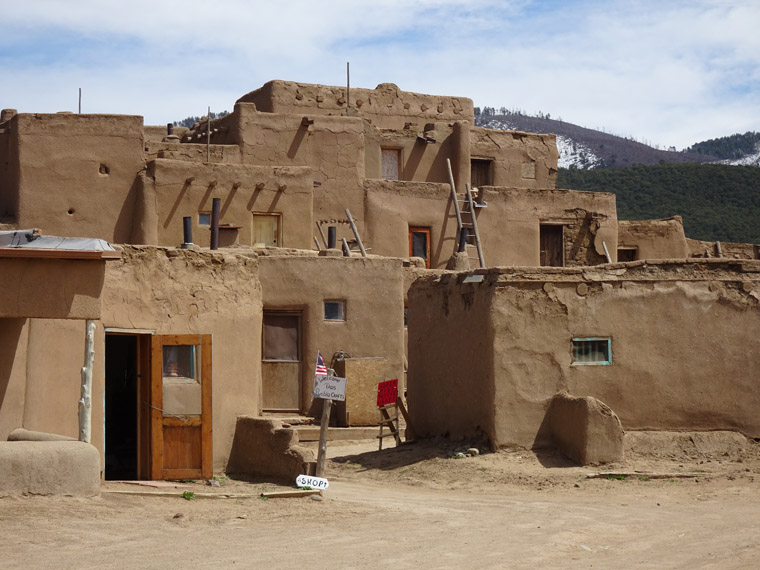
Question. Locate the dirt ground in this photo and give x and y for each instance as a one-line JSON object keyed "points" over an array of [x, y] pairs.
{"points": [[418, 506]]}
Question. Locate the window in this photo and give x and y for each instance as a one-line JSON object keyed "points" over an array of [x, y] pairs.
{"points": [[480, 172], [335, 310], [204, 219], [592, 351], [266, 230], [551, 245], [627, 253], [419, 244], [391, 160]]}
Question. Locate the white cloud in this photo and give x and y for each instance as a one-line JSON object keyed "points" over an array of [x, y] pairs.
{"points": [[669, 72]]}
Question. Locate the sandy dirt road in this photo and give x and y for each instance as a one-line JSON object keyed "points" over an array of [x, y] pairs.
{"points": [[410, 509]]}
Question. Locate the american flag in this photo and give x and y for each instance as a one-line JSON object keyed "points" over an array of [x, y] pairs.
{"points": [[321, 369]]}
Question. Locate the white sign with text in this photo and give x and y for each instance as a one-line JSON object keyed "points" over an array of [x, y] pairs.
{"points": [[313, 482], [330, 388]]}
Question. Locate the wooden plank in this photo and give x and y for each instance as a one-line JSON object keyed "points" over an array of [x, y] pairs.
{"points": [[26, 252], [407, 419], [185, 421], [156, 402], [207, 453], [143, 406], [289, 494], [644, 475], [180, 339], [182, 448]]}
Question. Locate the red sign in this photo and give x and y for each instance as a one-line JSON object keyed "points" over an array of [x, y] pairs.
{"points": [[387, 392]]}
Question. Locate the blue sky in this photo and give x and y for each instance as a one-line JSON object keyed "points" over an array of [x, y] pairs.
{"points": [[667, 72]]}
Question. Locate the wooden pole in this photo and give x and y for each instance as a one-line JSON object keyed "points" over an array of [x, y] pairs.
{"points": [[348, 86], [85, 400], [80, 100], [208, 136], [356, 233], [321, 455], [606, 253]]}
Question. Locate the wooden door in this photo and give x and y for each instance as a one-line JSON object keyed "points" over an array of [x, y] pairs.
{"points": [[266, 230], [551, 245], [181, 407], [281, 361]]}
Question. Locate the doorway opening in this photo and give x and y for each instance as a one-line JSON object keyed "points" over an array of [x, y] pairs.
{"points": [[127, 411], [551, 245]]}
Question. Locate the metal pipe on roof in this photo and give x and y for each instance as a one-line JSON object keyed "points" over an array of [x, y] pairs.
{"points": [[216, 206]]}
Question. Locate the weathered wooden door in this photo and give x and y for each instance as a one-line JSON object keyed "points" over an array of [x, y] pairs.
{"points": [[281, 361], [181, 407], [551, 245]]}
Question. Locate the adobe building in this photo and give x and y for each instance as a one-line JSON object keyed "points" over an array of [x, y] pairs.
{"points": [[665, 345], [194, 346]]}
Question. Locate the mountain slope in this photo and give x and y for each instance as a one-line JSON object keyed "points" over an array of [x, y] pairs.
{"points": [[587, 148], [717, 202]]}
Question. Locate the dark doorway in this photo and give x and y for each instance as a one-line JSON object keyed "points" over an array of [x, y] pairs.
{"points": [[127, 406], [551, 246], [121, 407]]}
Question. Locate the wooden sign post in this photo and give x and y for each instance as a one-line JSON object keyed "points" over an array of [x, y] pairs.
{"points": [[328, 388]]}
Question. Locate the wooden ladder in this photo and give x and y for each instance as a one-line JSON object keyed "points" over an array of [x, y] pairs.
{"points": [[466, 218]]}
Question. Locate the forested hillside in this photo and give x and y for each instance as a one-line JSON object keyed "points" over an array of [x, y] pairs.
{"points": [[717, 202]]}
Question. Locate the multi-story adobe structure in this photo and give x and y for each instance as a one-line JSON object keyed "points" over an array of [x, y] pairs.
{"points": [[286, 164]]}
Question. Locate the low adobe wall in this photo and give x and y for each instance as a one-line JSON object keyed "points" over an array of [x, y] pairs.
{"points": [[266, 448], [49, 468], [585, 429]]}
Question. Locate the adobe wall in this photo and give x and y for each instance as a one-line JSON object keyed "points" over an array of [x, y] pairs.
{"points": [[654, 239], [699, 248], [510, 232], [520, 160], [392, 207], [508, 226], [179, 188], [421, 161], [373, 289], [84, 166], [174, 291], [450, 381], [13, 349], [386, 106], [683, 343], [54, 360], [333, 147], [51, 288]]}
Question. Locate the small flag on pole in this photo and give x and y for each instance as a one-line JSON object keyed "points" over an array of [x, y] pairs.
{"points": [[321, 369]]}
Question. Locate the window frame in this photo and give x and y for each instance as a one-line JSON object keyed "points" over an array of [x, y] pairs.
{"points": [[592, 339], [399, 166], [343, 312]]}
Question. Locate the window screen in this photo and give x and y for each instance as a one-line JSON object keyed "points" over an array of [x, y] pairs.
{"points": [[592, 351], [281, 337], [335, 310]]}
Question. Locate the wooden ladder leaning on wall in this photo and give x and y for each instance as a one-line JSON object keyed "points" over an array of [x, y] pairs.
{"points": [[466, 219]]}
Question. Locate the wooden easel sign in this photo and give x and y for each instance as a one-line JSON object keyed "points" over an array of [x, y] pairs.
{"points": [[387, 392]]}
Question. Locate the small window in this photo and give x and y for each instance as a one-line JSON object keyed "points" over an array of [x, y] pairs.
{"points": [[391, 160], [406, 317], [419, 244], [335, 310], [204, 219], [480, 172], [591, 351], [627, 254]]}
